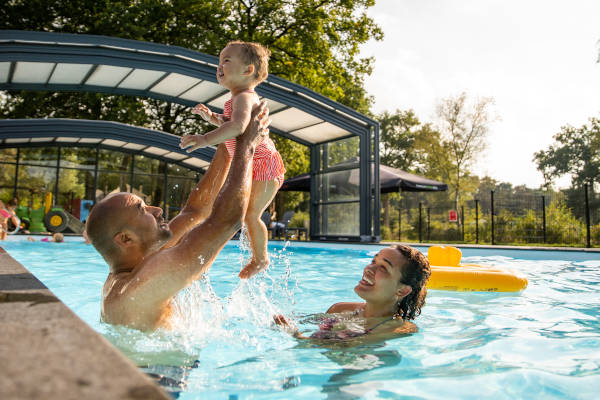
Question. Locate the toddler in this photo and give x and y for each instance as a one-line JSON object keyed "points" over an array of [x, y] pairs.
{"points": [[242, 66]]}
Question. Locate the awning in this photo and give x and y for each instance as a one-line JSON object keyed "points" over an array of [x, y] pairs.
{"points": [[390, 179]]}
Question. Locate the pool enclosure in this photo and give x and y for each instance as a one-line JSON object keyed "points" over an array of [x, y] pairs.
{"points": [[43, 61]]}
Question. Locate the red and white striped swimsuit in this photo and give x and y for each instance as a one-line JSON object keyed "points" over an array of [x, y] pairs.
{"points": [[267, 164]]}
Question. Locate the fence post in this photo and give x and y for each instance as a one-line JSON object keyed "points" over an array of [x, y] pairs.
{"points": [[544, 216], [492, 212], [587, 217], [420, 222], [400, 222], [428, 224], [476, 221], [462, 218]]}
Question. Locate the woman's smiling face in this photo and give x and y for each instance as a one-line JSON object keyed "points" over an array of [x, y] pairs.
{"points": [[380, 282]]}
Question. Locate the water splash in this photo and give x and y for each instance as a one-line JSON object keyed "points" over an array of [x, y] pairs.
{"points": [[243, 318]]}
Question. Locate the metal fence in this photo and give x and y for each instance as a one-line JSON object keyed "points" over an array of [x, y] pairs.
{"points": [[567, 218]]}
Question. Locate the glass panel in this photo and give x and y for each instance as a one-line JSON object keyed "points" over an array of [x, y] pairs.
{"points": [[339, 185], [38, 156], [78, 157], [178, 170], [8, 155], [7, 181], [343, 152], [114, 160], [74, 188], [109, 182], [148, 165], [340, 219], [150, 188], [178, 190], [34, 183]]}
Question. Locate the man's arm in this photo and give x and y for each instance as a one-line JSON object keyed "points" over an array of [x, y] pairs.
{"points": [[202, 197], [157, 279]]}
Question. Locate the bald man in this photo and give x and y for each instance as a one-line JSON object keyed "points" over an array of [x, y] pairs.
{"points": [[151, 260]]}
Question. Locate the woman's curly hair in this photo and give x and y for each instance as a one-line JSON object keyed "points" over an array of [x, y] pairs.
{"points": [[415, 274]]}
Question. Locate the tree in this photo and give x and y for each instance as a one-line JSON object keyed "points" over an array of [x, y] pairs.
{"points": [[314, 43], [398, 133], [576, 151], [405, 144], [463, 128]]}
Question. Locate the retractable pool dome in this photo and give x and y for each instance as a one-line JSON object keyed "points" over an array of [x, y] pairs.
{"points": [[45, 61]]}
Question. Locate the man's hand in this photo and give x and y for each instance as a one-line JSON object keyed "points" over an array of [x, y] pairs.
{"points": [[258, 127]]}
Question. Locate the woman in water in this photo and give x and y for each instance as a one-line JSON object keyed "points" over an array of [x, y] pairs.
{"points": [[393, 290]]}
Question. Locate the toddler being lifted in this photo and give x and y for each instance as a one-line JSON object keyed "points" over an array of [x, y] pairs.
{"points": [[242, 66]]}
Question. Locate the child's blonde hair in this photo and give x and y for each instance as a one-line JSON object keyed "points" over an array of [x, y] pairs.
{"points": [[255, 54]]}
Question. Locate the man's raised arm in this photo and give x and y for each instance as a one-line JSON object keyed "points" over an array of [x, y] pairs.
{"points": [[201, 199], [166, 272]]}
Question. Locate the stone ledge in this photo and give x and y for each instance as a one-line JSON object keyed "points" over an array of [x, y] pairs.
{"points": [[47, 352]]}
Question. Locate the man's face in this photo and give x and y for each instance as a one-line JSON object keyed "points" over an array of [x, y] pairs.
{"points": [[147, 223]]}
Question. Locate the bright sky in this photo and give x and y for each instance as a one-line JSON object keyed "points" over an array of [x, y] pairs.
{"points": [[536, 58]]}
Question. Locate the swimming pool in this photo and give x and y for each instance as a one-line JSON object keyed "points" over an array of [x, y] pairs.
{"points": [[541, 343]]}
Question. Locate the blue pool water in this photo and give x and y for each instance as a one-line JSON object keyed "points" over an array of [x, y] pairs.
{"points": [[541, 343]]}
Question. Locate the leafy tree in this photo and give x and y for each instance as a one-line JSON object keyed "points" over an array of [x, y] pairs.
{"points": [[463, 128], [314, 43], [398, 133], [576, 151], [405, 144]]}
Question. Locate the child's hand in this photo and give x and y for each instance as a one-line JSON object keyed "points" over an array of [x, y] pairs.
{"points": [[207, 115], [195, 141]]}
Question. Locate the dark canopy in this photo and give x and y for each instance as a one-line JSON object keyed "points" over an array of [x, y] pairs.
{"points": [[391, 180]]}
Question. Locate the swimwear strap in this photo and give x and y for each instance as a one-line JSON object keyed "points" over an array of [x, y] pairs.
{"points": [[376, 325]]}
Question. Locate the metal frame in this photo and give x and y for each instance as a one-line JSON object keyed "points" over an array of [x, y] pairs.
{"points": [[57, 128], [26, 46], [82, 128]]}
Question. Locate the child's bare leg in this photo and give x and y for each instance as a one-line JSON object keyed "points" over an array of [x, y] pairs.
{"points": [[261, 196]]}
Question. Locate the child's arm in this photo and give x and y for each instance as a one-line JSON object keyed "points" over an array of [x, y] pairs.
{"points": [[208, 116], [240, 117]]}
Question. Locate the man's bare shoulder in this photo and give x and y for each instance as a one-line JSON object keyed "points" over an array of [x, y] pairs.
{"points": [[124, 304]]}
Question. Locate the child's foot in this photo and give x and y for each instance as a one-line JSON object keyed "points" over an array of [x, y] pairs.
{"points": [[252, 268]]}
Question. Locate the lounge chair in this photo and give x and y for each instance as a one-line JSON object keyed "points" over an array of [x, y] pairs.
{"points": [[281, 225]]}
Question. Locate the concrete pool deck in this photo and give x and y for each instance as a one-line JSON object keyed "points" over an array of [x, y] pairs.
{"points": [[47, 352]]}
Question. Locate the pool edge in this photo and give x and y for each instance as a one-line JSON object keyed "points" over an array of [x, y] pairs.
{"points": [[305, 243], [48, 352]]}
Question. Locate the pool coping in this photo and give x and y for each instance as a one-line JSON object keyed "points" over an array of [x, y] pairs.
{"points": [[50, 353], [304, 243]]}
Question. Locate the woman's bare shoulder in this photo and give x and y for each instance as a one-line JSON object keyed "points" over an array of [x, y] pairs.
{"points": [[344, 307], [407, 327]]}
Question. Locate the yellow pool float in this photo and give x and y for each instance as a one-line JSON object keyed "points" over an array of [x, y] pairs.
{"points": [[447, 273]]}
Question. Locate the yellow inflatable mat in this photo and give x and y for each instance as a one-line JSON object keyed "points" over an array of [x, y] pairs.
{"points": [[447, 273]]}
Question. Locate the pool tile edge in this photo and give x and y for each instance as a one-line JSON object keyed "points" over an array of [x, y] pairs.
{"points": [[48, 352]]}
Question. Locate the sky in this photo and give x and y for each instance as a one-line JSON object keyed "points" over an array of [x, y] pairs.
{"points": [[537, 59]]}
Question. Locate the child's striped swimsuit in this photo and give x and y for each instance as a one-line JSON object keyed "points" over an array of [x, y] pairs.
{"points": [[267, 164]]}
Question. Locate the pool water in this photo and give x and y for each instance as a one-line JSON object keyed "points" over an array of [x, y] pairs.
{"points": [[541, 343]]}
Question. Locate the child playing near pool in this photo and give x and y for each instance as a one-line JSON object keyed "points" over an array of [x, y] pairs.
{"points": [[242, 66]]}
